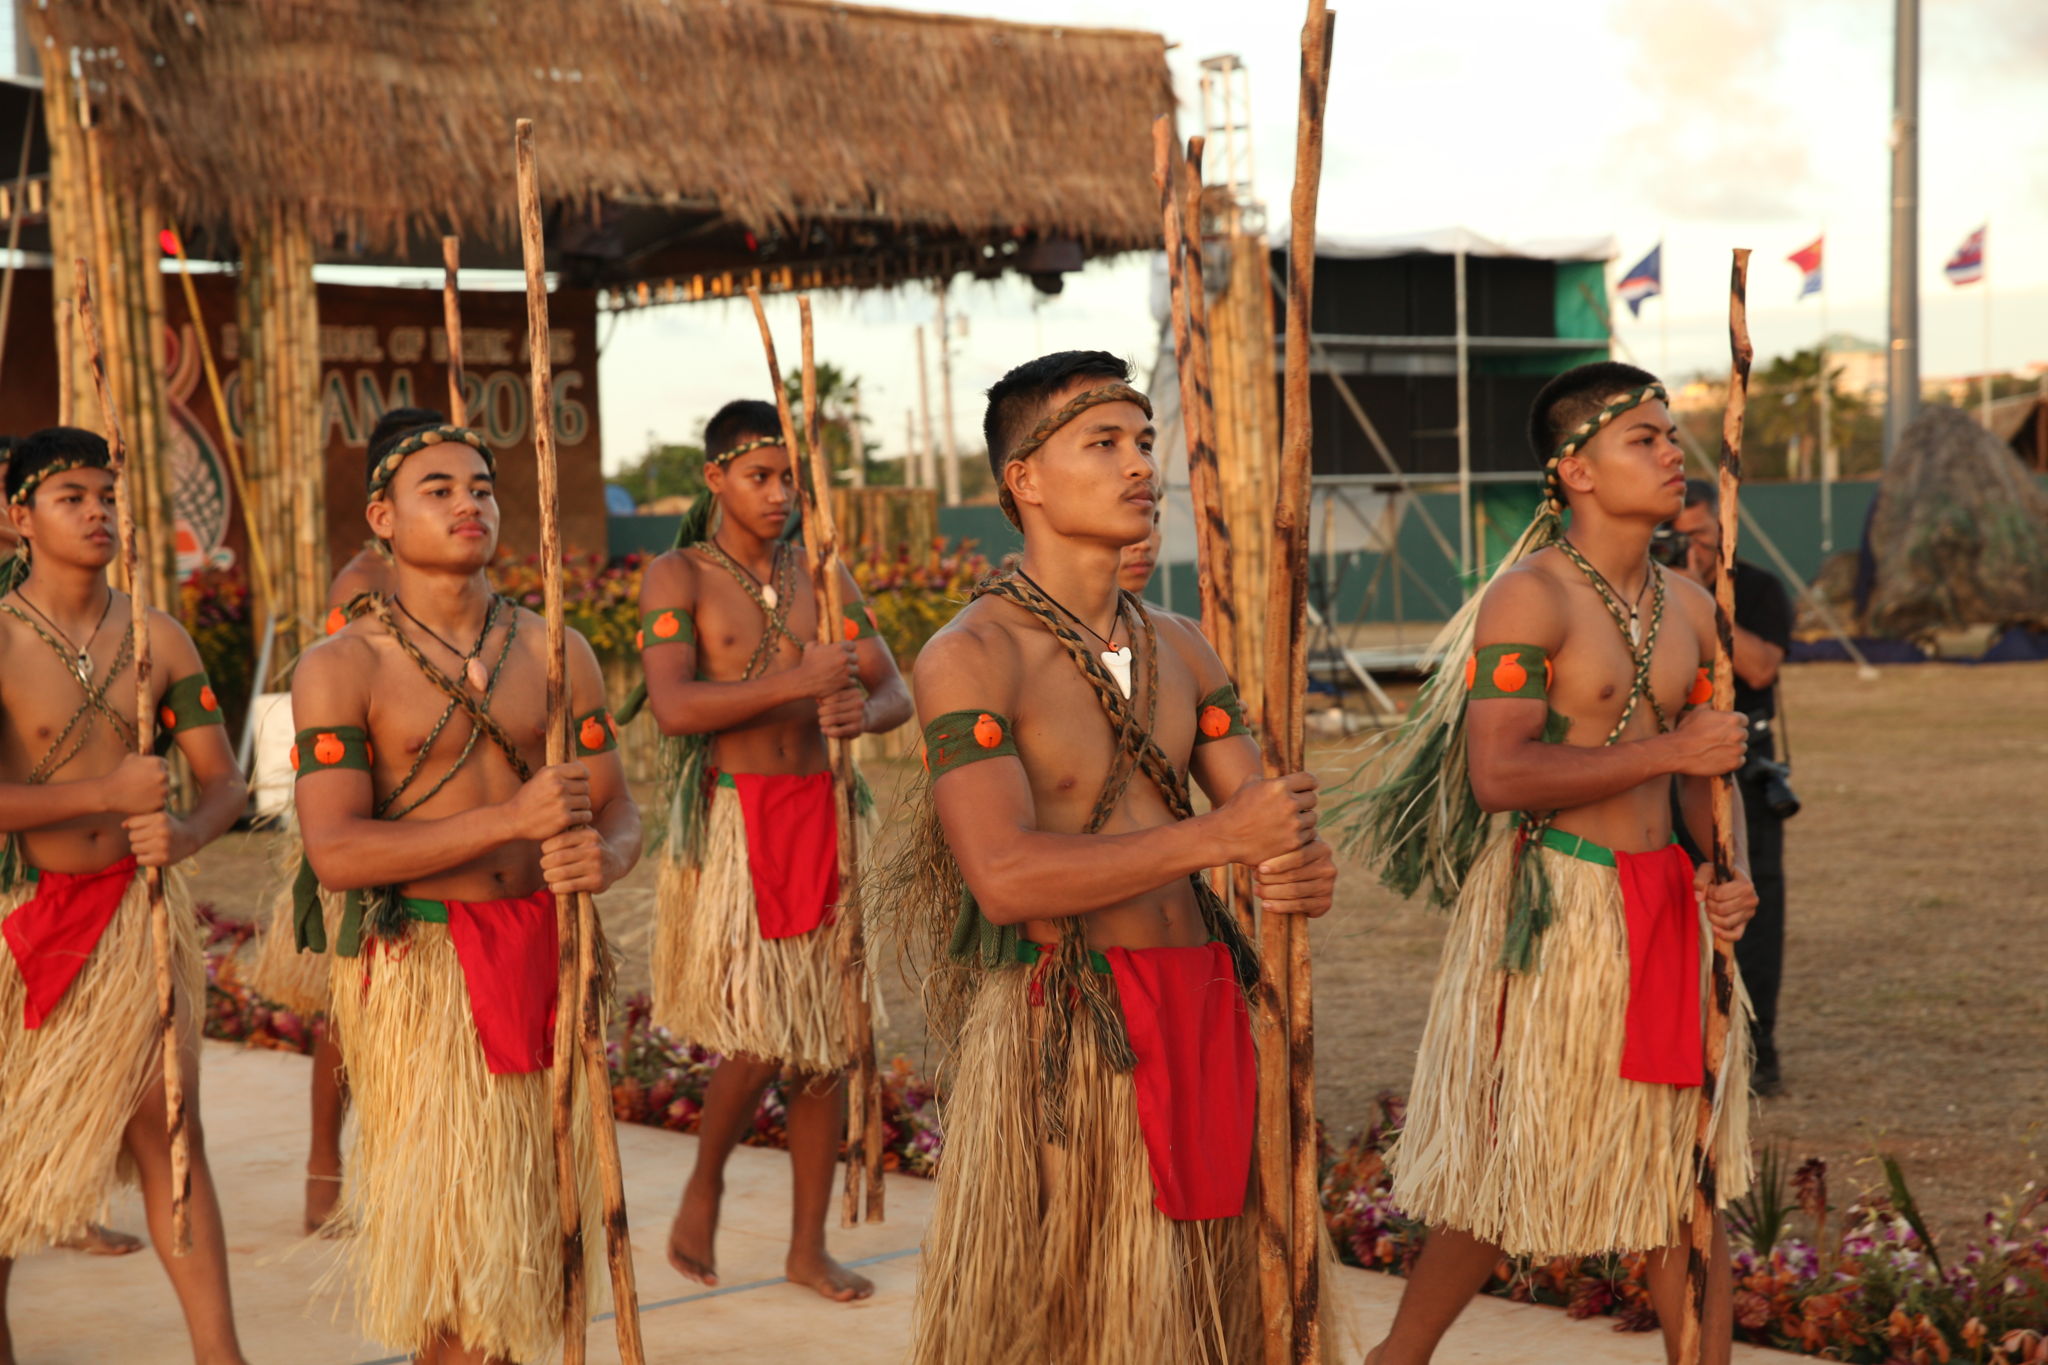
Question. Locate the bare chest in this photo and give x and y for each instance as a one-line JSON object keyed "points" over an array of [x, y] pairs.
{"points": [[737, 636], [47, 712], [1595, 673], [421, 739], [1067, 739]]}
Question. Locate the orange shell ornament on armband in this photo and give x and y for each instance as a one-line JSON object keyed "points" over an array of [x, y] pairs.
{"points": [[1702, 687], [1508, 671], [962, 737]]}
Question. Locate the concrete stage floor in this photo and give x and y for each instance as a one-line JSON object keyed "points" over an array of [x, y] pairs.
{"points": [[72, 1309]]}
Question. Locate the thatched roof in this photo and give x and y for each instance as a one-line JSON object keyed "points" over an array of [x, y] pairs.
{"points": [[671, 132]]}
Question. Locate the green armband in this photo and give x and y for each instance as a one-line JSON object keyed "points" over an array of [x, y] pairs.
{"points": [[1219, 716], [319, 751], [596, 732], [962, 737], [188, 704], [1515, 672], [669, 626], [860, 622]]}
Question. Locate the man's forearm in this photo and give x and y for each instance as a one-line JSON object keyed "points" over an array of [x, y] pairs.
{"points": [[1756, 659], [213, 814], [618, 824], [25, 806], [1030, 874], [887, 707], [354, 853], [1532, 775], [706, 708]]}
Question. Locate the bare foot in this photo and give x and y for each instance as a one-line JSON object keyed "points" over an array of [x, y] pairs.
{"points": [[323, 1192], [693, 1237], [101, 1241], [827, 1276]]}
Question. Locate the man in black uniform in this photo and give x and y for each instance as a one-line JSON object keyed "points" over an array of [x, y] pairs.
{"points": [[1763, 632]]}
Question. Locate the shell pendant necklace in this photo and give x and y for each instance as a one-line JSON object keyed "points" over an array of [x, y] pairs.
{"points": [[1116, 658], [473, 670]]}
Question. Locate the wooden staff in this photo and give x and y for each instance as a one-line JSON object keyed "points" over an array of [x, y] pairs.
{"points": [[1283, 939], [134, 556], [451, 319], [863, 1195], [1179, 209], [259, 553], [1707, 1186], [578, 1035]]}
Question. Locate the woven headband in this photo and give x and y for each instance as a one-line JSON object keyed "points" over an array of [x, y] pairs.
{"points": [[414, 442], [64, 466], [726, 457], [1043, 432], [1652, 392]]}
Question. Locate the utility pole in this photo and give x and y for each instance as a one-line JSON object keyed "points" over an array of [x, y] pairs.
{"points": [[1902, 392], [856, 436], [948, 442], [927, 476]]}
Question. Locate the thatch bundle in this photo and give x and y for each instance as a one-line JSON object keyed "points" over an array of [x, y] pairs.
{"points": [[1960, 535], [827, 129]]}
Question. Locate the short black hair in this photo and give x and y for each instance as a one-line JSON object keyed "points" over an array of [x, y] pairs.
{"points": [[393, 427], [1573, 398], [740, 421], [38, 450], [1703, 493], [1021, 399]]}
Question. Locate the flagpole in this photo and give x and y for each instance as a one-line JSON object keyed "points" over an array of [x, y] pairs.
{"points": [[1984, 278], [1827, 421]]}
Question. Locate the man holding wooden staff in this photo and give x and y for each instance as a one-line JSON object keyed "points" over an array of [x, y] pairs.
{"points": [[422, 795], [1092, 1205], [1557, 1093], [81, 1068], [745, 954]]}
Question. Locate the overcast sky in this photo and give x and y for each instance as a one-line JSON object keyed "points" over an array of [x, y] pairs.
{"points": [[1708, 124]]}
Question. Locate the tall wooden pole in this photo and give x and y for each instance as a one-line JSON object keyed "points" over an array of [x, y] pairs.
{"points": [[949, 441], [863, 1197], [578, 1036], [1722, 997], [134, 560], [1284, 938], [28, 138], [927, 475], [451, 319]]}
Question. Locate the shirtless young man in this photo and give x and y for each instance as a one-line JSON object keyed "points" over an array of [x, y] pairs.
{"points": [[422, 795], [1092, 1204], [282, 971], [745, 955], [81, 1071], [1556, 1094]]}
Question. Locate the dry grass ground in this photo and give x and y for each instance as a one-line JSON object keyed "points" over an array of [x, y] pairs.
{"points": [[1914, 1017]]}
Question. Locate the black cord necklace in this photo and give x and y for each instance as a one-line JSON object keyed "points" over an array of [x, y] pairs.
{"points": [[1115, 619], [472, 661], [767, 588], [82, 663], [1634, 608]]}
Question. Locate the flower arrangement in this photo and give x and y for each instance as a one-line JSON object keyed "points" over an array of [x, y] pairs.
{"points": [[913, 596], [1868, 1283], [600, 599]]}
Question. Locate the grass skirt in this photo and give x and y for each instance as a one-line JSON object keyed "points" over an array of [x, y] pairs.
{"points": [[69, 1088], [719, 984], [450, 1187], [1520, 1129], [1038, 1255], [281, 973]]}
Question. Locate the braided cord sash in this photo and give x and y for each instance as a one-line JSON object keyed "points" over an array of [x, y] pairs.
{"points": [[78, 729], [1067, 972], [1531, 912], [776, 618]]}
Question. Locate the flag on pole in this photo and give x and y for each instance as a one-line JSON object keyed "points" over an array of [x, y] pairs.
{"points": [[1967, 265], [1807, 258], [1643, 282]]}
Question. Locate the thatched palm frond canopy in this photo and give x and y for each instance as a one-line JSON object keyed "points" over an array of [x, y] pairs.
{"points": [[677, 135]]}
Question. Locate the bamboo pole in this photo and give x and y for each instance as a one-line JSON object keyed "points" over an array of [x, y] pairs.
{"points": [[1706, 1188], [863, 1194], [28, 137], [578, 1037], [451, 319], [132, 552], [152, 402], [1286, 937]]}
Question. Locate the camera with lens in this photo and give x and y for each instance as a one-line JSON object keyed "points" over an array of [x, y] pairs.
{"points": [[1670, 546], [1768, 778]]}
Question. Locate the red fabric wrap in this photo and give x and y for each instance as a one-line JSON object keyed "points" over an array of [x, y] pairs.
{"points": [[508, 954], [53, 933], [1663, 1043], [792, 849], [1196, 1077]]}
